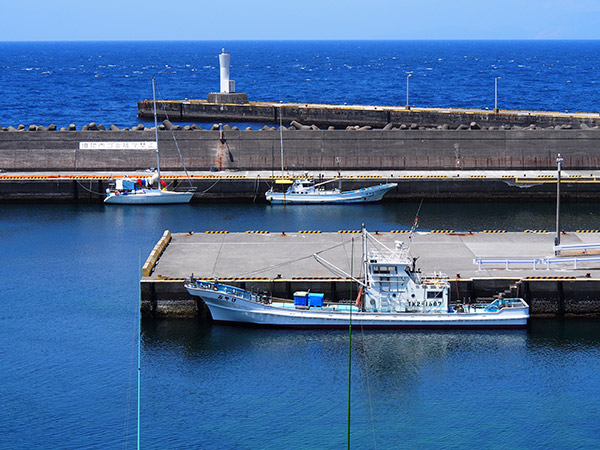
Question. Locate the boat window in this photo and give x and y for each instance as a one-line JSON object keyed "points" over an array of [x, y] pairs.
{"points": [[384, 269], [433, 294]]}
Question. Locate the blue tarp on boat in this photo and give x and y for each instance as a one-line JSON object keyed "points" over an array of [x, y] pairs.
{"points": [[128, 184]]}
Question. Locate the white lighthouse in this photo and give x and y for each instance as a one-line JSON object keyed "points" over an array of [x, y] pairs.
{"points": [[224, 59], [227, 92]]}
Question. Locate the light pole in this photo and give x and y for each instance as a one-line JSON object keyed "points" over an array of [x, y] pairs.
{"points": [[407, 105], [496, 94], [559, 161]]}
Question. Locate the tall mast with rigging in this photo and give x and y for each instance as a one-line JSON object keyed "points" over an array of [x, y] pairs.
{"points": [[156, 130]]}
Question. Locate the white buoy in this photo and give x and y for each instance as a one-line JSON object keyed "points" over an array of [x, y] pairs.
{"points": [[224, 58]]}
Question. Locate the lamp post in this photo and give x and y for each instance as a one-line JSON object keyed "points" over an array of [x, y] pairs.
{"points": [[281, 135], [559, 161], [496, 94], [407, 105]]}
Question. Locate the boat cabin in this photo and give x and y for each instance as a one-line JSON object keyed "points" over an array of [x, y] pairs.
{"points": [[394, 285]]}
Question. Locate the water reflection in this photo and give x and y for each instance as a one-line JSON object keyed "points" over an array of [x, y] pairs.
{"points": [[412, 382]]}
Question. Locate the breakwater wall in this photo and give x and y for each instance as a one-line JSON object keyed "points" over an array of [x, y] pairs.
{"points": [[361, 115], [304, 150], [551, 297]]}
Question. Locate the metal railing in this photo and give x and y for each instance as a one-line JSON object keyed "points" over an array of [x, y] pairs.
{"points": [[535, 262], [576, 247]]}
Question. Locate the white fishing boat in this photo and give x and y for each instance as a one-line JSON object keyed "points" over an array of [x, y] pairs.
{"points": [[148, 190], [393, 294], [306, 191]]}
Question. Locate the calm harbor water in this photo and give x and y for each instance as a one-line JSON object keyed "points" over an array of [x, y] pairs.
{"points": [[68, 345], [69, 290]]}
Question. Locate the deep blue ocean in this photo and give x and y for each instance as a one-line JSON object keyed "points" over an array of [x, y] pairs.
{"points": [[69, 290], [83, 82]]}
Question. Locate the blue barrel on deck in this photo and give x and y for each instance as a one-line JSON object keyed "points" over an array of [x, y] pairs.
{"points": [[301, 298], [315, 299]]}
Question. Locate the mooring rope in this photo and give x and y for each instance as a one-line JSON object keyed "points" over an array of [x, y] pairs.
{"points": [[90, 191], [272, 266], [211, 186], [175, 141]]}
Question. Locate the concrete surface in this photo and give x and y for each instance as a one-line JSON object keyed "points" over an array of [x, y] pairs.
{"points": [[276, 256]]}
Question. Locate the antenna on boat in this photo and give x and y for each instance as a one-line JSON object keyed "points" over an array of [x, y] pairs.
{"points": [[364, 250], [155, 129], [415, 224]]}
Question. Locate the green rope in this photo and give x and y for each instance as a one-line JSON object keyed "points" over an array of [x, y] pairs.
{"points": [[139, 371], [350, 343]]}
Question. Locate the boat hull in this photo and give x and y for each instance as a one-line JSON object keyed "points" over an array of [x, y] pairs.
{"points": [[363, 195], [238, 310], [149, 197]]}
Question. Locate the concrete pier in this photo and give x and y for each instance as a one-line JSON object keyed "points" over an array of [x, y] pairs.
{"points": [[282, 263], [250, 186]]}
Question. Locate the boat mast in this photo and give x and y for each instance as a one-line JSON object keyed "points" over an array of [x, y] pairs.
{"points": [[156, 130], [365, 256]]}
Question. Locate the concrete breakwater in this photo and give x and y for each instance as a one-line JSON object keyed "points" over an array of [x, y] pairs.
{"points": [[281, 268], [361, 115], [303, 150]]}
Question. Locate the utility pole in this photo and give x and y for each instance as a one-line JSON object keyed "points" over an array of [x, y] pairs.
{"points": [[559, 161]]}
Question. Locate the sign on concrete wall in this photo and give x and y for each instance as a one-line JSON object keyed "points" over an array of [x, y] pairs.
{"points": [[116, 145]]}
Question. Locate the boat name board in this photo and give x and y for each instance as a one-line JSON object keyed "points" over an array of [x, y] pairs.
{"points": [[118, 145]]}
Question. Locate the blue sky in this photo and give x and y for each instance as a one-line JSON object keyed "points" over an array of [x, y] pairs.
{"points": [[67, 20]]}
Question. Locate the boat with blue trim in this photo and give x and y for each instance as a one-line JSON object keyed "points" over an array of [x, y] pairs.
{"points": [[306, 191], [392, 294]]}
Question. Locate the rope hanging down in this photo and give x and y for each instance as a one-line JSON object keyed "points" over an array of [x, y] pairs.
{"points": [[175, 141]]}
